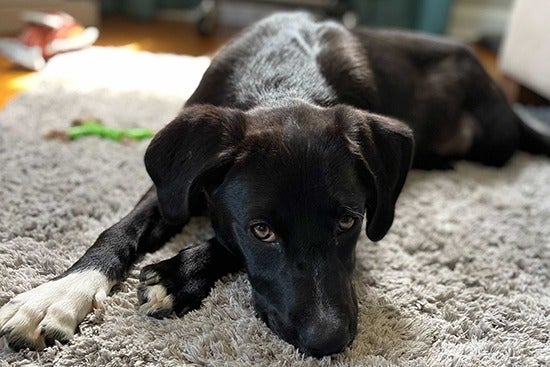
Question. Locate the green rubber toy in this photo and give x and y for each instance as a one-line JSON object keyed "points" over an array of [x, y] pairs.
{"points": [[95, 128]]}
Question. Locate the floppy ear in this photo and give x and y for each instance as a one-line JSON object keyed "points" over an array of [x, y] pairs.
{"points": [[199, 142], [385, 148]]}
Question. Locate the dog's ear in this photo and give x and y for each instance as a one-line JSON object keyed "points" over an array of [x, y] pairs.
{"points": [[199, 143], [385, 148]]}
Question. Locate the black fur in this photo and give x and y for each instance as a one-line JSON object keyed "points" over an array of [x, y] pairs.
{"points": [[299, 124]]}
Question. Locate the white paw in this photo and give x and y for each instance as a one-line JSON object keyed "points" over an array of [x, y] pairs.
{"points": [[53, 310], [154, 298], [156, 301]]}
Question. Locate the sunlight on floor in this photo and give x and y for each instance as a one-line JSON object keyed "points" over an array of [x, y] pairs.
{"points": [[135, 46], [125, 69], [23, 82], [97, 67], [12, 80]]}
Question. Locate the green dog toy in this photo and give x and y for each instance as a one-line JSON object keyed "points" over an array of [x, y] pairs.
{"points": [[94, 127]]}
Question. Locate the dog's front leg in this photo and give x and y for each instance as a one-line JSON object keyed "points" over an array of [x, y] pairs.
{"points": [[179, 284], [53, 310]]}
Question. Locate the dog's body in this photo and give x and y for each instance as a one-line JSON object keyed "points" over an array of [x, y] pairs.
{"points": [[281, 143]]}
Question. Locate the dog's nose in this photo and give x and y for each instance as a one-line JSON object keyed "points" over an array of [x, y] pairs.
{"points": [[322, 339]]}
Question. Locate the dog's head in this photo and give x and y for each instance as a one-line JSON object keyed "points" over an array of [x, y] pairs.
{"points": [[288, 189]]}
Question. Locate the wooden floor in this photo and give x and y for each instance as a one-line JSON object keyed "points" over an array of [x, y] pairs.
{"points": [[173, 37]]}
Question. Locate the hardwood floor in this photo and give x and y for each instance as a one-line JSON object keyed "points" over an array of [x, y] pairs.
{"points": [[11, 80], [179, 38], [160, 36]]}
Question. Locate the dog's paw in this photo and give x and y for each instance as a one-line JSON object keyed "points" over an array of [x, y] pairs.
{"points": [[52, 311], [174, 286], [154, 298]]}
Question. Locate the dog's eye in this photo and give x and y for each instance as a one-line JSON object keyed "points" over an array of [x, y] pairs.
{"points": [[346, 223], [263, 232]]}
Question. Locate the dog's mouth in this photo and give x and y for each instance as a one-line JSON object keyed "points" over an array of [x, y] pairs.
{"points": [[293, 338], [274, 326]]}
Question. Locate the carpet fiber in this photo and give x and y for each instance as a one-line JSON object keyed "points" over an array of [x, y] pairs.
{"points": [[462, 279]]}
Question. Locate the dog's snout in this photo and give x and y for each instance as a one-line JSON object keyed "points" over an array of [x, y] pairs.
{"points": [[321, 339]]}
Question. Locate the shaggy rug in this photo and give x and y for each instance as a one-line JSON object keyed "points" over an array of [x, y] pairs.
{"points": [[462, 279]]}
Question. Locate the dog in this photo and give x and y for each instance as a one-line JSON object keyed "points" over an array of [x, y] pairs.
{"points": [[299, 131]]}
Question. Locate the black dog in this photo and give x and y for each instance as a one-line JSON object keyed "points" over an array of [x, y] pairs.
{"points": [[292, 135]]}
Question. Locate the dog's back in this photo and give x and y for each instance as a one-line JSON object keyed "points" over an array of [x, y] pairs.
{"points": [[273, 63], [434, 85]]}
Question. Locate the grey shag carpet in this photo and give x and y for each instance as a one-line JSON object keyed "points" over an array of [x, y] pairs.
{"points": [[462, 279]]}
